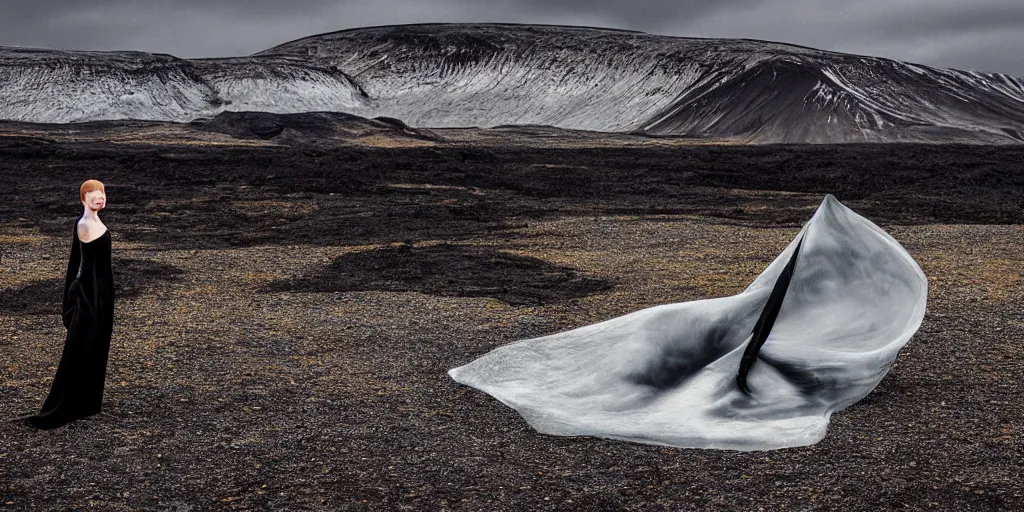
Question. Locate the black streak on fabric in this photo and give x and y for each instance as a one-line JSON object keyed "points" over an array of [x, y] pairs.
{"points": [[766, 321]]}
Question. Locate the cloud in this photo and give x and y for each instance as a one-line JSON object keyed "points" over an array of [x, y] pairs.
{"points": [[980, 35], [983, 34]]}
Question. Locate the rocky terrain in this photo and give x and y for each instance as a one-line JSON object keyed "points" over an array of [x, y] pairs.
{"points": [[288, 305]]}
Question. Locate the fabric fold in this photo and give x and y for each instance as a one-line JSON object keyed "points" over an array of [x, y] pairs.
{"points": [[669, 374]]}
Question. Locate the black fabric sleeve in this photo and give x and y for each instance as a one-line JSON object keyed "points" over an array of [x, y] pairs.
{"points": [[73, 262]]}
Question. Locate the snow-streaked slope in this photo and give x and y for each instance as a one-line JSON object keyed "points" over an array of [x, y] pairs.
{"points": [[569, 77], [60, 87], [851, 99], [489, 75]]}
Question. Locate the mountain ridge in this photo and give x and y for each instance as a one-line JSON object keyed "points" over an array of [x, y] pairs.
{"points": [[597, 79]]}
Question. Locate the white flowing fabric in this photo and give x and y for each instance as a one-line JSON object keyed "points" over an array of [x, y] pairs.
{"points": [[667, 374]]}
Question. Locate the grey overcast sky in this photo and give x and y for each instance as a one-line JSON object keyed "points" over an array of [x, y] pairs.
{"points": [[986, 35]]}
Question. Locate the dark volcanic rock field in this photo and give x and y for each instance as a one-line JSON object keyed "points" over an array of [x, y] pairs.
{"points": [[286, 316]]}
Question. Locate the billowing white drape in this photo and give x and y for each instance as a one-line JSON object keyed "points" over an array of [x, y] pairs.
{"points": [[668, 374]]}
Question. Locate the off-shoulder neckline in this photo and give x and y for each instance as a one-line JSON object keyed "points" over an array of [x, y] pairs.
{"points": [[105, 233]]}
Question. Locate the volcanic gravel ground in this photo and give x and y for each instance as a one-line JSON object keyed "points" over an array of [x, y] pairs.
{"points": [[286, 315]]}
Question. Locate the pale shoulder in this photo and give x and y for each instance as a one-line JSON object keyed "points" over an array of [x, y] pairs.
{"points": [[89, 230]]}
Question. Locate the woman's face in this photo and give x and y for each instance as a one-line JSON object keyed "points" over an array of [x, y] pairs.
{"points": [[95, 200]]}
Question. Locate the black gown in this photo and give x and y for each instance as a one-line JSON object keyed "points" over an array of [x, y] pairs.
{"points": [[88, 315]]}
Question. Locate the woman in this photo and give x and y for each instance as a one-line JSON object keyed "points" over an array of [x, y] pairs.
{"points": [[88, 315]]}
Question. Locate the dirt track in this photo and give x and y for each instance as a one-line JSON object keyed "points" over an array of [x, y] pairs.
{"points": [[286, 316]]}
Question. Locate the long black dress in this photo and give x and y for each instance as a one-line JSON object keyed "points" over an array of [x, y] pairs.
{"points": [[88, 315]]}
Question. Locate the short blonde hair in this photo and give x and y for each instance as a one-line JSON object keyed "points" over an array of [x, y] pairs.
{"points": [[90, 186]]}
